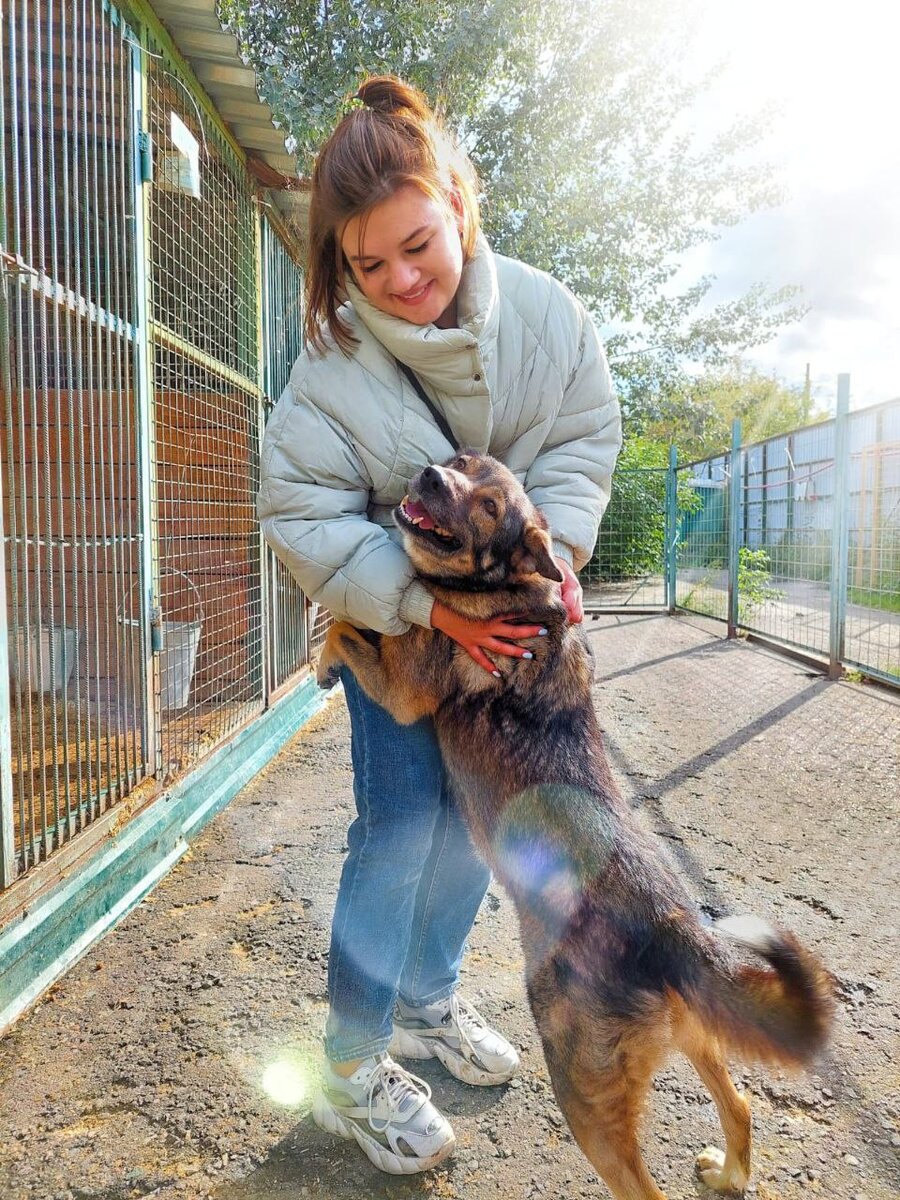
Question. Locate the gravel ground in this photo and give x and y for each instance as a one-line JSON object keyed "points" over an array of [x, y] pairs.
{"points": [[141, 1073]]}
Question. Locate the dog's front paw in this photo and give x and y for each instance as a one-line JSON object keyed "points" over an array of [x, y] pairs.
{"points": [[328, 672]]}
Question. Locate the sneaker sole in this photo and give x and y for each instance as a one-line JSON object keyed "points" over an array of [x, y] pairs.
{"points": [[327, 1117], [406, 1045]]}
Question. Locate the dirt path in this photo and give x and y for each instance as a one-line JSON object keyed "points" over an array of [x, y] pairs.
{"points": [[142, 1073]]}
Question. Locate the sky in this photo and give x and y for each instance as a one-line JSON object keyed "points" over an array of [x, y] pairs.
{"points": [[831, 70]]}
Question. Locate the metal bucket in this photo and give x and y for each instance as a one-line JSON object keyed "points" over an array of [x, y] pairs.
{"points": [[176, 662], [45, 656]]}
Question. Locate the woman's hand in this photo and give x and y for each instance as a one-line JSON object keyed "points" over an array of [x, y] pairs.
{"points": [[497, 635], [572, 595]]}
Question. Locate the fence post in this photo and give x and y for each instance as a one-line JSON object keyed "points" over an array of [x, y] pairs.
{"points": [[671, 529], [839, 533], [734, 527]]}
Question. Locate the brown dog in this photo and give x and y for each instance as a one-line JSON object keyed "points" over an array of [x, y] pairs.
{"points": [[620, 969]]}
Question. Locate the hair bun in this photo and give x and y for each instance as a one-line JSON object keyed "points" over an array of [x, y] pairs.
{"points": [[389, 95]]}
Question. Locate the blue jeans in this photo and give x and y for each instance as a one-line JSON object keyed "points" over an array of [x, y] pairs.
{"points": [[410, 887]]}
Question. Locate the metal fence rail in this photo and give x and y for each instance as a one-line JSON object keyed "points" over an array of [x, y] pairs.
{"points": [[795, 539]]}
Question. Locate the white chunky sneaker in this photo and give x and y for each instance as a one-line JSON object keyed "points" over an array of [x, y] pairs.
{"points": [[456, 1033], [388, 1112]]}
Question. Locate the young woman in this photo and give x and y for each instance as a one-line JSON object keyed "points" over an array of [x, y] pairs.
{"points": [[405, 295]]}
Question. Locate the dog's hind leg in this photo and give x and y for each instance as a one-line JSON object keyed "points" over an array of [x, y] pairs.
{"points": [[603, 1112], [728, 1172]]}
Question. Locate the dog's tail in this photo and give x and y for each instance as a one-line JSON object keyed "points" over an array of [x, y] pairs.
{"points": [[777, 1014]]}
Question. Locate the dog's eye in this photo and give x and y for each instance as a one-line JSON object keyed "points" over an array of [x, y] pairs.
{"points": [[461, 463], [489, 507]]}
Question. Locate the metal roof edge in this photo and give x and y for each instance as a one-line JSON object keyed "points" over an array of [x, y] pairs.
{"points": [[215, 58]]}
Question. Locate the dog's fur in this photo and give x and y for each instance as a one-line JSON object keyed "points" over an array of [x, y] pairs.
{"points": [[620, 969]]}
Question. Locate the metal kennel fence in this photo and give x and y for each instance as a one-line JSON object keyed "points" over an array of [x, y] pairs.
{"points": [[795, 539], [149, 314]]}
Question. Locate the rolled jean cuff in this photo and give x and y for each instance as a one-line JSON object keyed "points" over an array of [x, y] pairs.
{"points": [[364, 1050], [424, 1001]]}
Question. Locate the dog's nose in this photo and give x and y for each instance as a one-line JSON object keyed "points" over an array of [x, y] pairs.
{"points": [[433, 481]]}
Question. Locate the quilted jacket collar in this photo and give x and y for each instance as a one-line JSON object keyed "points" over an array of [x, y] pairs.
{"points": [[434, 354]]}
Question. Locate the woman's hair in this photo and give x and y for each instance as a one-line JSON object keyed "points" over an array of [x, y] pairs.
{"points": [[392, 139]]}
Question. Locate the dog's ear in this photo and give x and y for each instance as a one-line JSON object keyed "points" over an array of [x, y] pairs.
{"points": [[535, 554]]}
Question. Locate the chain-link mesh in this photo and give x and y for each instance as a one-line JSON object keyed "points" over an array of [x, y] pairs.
{"points": [[69, 441]]}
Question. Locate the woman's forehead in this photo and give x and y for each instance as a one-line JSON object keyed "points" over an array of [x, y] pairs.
{"points": [[390, 224]]}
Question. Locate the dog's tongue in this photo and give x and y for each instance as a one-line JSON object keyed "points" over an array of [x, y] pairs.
{"points": [[415, 508]]}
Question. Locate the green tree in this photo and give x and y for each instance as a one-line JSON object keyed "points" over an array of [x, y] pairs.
{"points": [[696, 416], [581, 119]]}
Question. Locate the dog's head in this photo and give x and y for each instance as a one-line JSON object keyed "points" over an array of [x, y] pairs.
{"points": [[469, 524]]}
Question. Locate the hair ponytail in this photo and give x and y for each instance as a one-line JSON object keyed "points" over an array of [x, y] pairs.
{"points": [[389, 95], [391, 140]]}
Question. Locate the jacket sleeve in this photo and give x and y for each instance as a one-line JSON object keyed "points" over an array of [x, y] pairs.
{"points": [[571, 476], [313, 512]]}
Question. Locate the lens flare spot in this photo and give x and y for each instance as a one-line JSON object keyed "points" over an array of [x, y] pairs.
{"points": [[285, 1083]]}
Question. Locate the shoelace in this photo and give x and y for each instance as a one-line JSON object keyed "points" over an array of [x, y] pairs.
{"points": [[466, 1018], [398, 1085]]}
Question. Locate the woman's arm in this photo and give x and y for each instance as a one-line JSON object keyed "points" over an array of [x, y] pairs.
{"points": [[313, 504]]}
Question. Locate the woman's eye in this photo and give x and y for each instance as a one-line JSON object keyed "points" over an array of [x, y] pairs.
{"points": [[490, 507], [419, 249], [372, 267]]}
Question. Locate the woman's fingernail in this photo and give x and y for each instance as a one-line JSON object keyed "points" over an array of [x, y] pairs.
{"points": [[496, 674], [543, 632], [528, 654]]}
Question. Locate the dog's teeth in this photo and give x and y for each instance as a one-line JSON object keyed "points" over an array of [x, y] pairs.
{"points": [[417, 520]]}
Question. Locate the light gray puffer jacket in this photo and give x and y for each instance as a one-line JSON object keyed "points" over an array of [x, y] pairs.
{"points": [[524, 377]]}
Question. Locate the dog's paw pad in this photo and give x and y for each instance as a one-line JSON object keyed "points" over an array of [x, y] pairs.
{"points": [[711, 1165]]}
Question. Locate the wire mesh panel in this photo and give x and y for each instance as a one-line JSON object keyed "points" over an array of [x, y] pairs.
{"points": [[627, 569], [872, 636], [69, 435], [287, 626], [701, 548], [206, 407], [787, 523], [203, 229], [206, 479]]}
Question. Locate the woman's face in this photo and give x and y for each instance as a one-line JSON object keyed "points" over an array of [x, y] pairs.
{"points": [[410, 258]]}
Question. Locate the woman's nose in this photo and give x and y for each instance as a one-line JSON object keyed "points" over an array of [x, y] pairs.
{"points": [[404, 278]]}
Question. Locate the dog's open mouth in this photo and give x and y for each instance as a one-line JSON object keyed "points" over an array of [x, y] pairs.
{"points": [[414, 512]]}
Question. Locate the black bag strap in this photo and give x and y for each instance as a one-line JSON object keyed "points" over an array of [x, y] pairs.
{"points": [[439, 419]]}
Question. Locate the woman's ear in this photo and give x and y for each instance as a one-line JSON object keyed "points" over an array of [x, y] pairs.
{"points": [[458, 209]]}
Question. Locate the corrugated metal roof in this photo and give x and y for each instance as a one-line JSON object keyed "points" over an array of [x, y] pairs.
{"points": [[216, 60]]}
